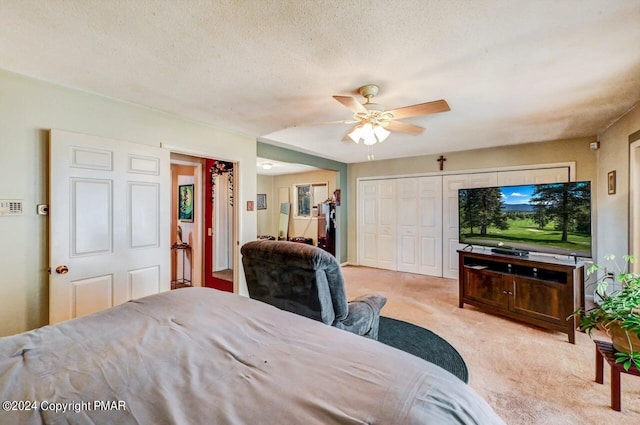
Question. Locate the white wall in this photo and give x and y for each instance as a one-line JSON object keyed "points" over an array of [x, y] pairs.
{"points": [[28, 109], [268, 219]]}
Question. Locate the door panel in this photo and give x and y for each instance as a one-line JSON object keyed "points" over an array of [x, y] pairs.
{"points": [[486, 288], [92, 295], [537, 299], [144, 282], [430, 225], [377, 240], [429, 255], [109, 223], [143, 215], [368, 229], [91, 221], [387, 232], [407, 218]]}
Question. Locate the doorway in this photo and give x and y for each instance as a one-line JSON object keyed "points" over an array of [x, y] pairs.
{"points": [[219, 232], [204, 232]]}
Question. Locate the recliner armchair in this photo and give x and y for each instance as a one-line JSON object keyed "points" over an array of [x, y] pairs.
{"points": [[306, 280]]}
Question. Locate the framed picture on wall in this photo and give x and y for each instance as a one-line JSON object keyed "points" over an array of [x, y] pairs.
{"points": [[185, 203], [261, 201], [611, 182]]}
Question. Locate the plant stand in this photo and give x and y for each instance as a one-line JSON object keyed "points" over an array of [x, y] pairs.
{"points": [[605, 351], [181, 281]]}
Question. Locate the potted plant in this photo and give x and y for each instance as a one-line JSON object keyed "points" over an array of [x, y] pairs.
{"points": [[618, 311]]}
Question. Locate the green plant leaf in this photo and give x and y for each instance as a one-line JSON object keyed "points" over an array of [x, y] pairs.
{"points": [[593, 268], [621, 306]]}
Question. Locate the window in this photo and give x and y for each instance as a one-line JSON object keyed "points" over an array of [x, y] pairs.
{"points": [[307, 197]]}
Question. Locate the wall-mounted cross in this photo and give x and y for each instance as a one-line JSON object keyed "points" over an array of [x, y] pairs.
{"points": [[441, 160]]}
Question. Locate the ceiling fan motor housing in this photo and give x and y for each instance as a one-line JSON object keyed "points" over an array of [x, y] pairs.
{"points": [[369, 90]]}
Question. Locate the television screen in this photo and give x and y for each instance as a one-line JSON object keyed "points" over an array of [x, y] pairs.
{"points": [[552, 218]]}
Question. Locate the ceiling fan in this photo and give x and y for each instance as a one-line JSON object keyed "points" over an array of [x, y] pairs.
{"points": [[374, 123]]}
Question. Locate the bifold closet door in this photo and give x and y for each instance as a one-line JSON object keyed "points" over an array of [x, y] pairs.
{"points": [[419, 218], [411, 224], [377, 230]]}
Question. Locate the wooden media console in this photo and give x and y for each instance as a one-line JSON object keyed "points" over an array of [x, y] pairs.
{"points": [[539, 290]]}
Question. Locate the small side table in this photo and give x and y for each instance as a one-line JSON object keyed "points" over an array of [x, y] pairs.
{"points": [[605, 351], [181, 281]]}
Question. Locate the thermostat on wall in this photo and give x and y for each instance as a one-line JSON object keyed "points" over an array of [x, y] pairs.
{"points": [[11, 207]]}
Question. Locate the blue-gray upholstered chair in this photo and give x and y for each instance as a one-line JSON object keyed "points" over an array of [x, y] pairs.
{"points": [[306, 280]]}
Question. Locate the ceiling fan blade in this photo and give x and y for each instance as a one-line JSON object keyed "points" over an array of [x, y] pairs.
{"points": [[351, 103], [310, 124], [403, 127], [420, 109]]}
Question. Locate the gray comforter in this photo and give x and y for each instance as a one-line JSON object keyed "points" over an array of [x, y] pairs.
{"points": [[200, 356]]}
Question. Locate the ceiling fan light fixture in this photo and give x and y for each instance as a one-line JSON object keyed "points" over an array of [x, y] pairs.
{"points": [[370, 139], [356, 134], [369, 133], [381, 133]]}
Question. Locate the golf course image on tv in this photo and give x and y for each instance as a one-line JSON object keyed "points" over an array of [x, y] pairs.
{"points": [[551, 218]]}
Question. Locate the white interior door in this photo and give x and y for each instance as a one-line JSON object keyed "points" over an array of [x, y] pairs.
{"points": [[408, 216], [377, 224], [368, 224], [430, 225], [387, 227], [419, 216], [109, 223]]}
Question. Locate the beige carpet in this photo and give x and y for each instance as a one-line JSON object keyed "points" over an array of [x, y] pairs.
{"points": [[527, 374]]}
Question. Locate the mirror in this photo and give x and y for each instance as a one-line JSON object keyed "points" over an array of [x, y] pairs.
{"points": [[283, 224]]}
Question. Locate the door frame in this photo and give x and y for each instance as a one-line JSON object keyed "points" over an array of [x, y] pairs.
{"points": [[235, 214], [195, 253], [210, 242]]}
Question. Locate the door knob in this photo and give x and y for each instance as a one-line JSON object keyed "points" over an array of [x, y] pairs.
{"points": [[62, 269]]}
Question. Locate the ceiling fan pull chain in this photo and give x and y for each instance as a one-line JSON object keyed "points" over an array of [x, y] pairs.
{"points": [[370, 156]]}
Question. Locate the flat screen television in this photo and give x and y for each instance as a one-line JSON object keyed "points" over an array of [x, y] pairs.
{"points": [[552, 218]]}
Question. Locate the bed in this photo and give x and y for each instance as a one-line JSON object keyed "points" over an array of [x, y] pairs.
{"points": [[202, 356]]}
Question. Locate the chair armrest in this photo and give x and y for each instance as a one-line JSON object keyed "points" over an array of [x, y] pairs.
{"points": [[375, 301], [364, 315]]}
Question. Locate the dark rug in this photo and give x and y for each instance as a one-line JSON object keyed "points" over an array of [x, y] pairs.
{"points": [[423, 343]]}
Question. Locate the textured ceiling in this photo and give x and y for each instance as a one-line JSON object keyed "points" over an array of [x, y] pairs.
{"points": [[513, 71]]}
